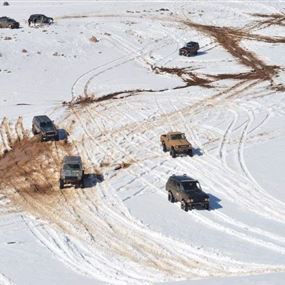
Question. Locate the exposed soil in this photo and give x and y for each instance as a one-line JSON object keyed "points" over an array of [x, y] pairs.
{"points": [[85, 100], [32, 168], [230, 39], [190, 78], [270, 20]]}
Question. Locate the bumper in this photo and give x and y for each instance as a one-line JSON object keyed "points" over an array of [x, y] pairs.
{"points": [[49, 137], [203, 204], [183, 150], [72, 180]]}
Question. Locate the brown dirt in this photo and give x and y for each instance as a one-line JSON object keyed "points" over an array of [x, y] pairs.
{"points": [[93, 39], [190, 78], [229, 39], [86, 99], [270, 20], [31, 168]]}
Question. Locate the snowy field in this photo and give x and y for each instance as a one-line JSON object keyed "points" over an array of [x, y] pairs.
{"points": [[109, 73]]}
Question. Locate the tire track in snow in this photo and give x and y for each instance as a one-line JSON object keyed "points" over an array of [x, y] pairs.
{"points": [[236, 234], [97, 146]]}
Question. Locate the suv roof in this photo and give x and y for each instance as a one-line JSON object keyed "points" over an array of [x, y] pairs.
{"points": [[7, 19], [71, 159], [34, 15], [182, 178], [190, 44], [42, 118]]}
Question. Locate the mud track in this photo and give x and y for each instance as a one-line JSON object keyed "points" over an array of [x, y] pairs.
{"points": [[190, 78], [229, 39], [29, 172], [269, 20]]}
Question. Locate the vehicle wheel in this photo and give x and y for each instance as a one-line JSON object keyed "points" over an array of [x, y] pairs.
{"points": [[164, 148], [82, 185], [61, 184], [190, 153], [207, 207], [34, 131], [180, 53], [173, 152], [170, 197], [184, 206]]}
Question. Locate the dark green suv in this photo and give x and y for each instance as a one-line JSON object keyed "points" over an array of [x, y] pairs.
{"points": [[187, 191]]}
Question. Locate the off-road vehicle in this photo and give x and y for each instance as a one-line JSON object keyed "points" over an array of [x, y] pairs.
{"points": [[71, 172], [39, 19], [43, 126], [190, 49], [176, 143], [187, 191], [6, 22]]}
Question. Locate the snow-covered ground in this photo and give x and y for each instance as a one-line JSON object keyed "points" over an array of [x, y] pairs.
{"points": [[115, 96]]}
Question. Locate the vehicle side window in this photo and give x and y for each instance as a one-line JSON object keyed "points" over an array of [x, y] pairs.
{"points": [[181, 187], [177, 186]]}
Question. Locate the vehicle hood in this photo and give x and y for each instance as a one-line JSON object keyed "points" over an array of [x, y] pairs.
{"points": [[72, 173], [182, 142], [49, 129]]}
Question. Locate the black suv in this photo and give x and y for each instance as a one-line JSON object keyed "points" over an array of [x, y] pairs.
{"points": [[39, 19], [6, 22], [190, 49], [43, 126], [187, 191]]}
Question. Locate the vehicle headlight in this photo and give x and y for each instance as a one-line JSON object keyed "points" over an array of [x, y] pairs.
{"points": [[189, 200], [206, 199]]}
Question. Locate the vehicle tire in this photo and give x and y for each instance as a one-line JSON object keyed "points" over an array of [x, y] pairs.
{"points": [[164, 149], [173, 152], [190, 152], [170, 197], [184, 206], [207, 207], [34, 131], [180, 53], [61, 184], [82, 185]]}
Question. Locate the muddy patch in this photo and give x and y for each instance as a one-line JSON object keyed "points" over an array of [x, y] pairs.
{"points": [[267, 20], [229, 39], [190, 78], [29, 172]]}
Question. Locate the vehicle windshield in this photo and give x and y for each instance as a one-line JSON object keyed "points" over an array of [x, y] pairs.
{"points": [[71, 167], [178, 137], [189, 186], [46, 124]]}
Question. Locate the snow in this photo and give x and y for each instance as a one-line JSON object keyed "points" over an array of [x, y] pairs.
{"points": [[121, 229]]}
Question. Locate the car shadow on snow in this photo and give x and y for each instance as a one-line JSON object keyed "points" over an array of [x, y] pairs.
{"points": [[197, 151], [90, 180], [199, 53], [214, 202]]}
